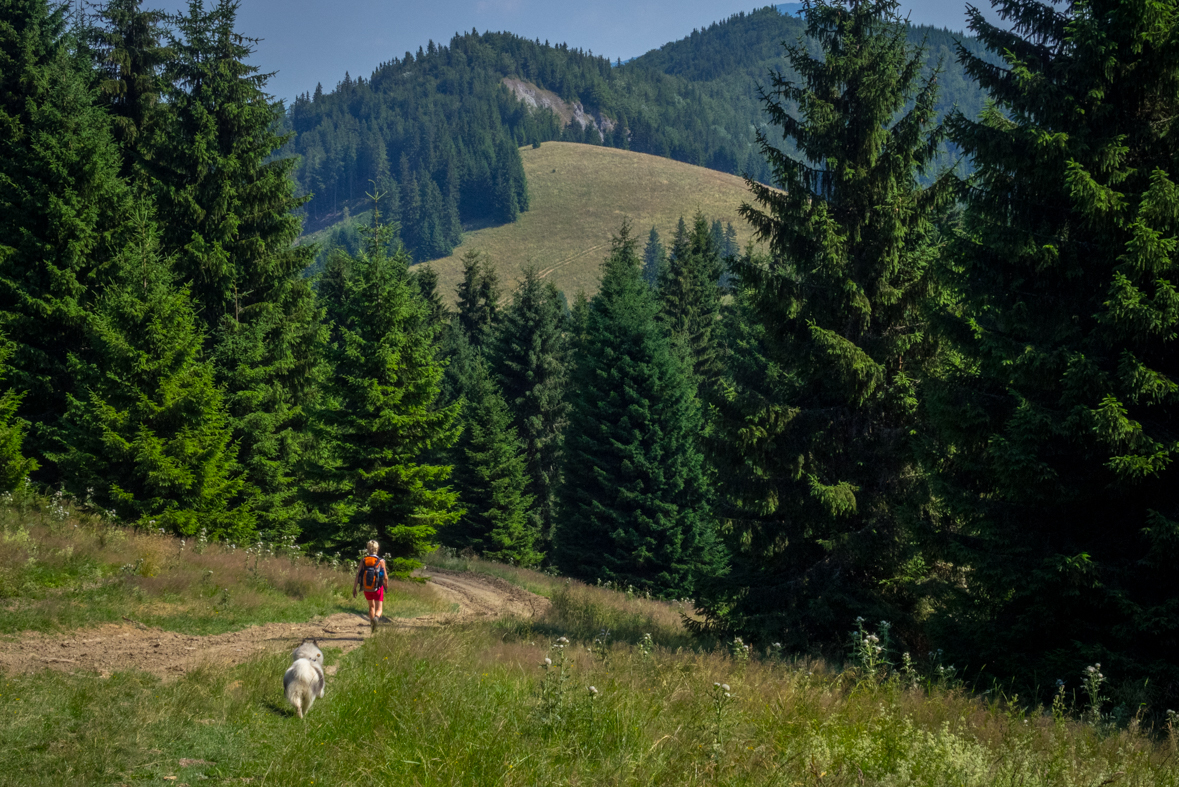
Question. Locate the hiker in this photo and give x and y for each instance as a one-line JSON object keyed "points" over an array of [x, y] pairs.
{"points": [[373, 578]]}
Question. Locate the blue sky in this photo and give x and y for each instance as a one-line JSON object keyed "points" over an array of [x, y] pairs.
{"points": [[309, 41]]}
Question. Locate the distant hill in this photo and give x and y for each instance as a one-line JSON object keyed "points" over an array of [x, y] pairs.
{"points": [[580, 196], [438, 131]]}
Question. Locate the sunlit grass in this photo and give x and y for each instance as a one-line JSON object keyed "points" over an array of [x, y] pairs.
{"points": [[579, 195]]}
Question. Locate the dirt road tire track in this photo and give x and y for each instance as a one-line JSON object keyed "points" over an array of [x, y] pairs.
{"points": [[169, 655]]}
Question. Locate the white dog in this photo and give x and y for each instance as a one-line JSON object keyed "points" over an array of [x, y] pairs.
{"points": [[304, 680]]}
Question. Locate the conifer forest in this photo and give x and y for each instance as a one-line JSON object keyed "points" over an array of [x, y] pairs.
{"points": [[942, 390]]}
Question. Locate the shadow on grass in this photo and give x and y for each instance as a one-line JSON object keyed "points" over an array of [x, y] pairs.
{"points": [[275, 708]]}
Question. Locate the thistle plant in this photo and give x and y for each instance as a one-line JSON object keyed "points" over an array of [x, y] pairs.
{"points": [[600, 649], [553, 683], [646, 646], [739, 650], [869, 650], [1091, 680], [722, 697]]}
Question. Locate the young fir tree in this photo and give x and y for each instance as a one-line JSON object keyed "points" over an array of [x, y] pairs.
{"points": [[478, 301], [690, 299], [812, 446], [427, 281], [491, 479], [383, 417], [227, 209], [654, 259], [638, 510], [532, 359], [62, 207], [1060, 419], [147, 434]]}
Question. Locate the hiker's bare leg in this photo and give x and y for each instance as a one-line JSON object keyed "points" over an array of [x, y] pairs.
{"points": [[380, 606], [372, 606]]}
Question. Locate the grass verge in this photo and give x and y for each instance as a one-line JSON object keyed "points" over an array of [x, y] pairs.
{"points": [[62, 569], [469, 705]]}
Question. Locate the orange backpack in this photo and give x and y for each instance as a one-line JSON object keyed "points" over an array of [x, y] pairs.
{"points": [[371, 576]]}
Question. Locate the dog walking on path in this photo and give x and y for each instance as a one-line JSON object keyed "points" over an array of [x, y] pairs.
{"points": [[304, 681]]}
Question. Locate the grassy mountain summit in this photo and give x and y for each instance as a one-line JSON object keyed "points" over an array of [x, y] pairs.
{"points": [[580, 195], [436, 132]]}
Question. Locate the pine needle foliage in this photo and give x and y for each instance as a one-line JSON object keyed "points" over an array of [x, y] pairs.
{"points": [[147, 435], [383, 418], [62, 207], [812, 445], [635, 505], [491, 479], [1062, 416], [532, 360]]}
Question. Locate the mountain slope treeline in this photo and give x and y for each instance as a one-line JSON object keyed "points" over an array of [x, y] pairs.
{"points": [[435, 131]]}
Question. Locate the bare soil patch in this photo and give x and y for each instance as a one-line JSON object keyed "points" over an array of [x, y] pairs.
{"points": [[169, 655]]}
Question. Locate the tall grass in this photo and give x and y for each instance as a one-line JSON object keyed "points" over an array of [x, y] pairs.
{"points": [[63, 568], [467, 705]]}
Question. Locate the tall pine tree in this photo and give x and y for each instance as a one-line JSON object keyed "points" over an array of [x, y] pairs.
{"points": [[636, 507], [383, 418], [491, 480], [62, 208], [812, 444], [227, 209], [1060, 421], [532, 360], [147, 434]]}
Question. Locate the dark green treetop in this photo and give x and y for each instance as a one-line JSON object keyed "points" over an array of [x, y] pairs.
{"points": [[635, 508], [532, 363], [811, 446], [1060, 416]]}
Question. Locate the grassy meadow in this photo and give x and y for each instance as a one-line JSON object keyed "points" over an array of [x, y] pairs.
{"points": [[579, 196], [62, 568], [604, 688]]}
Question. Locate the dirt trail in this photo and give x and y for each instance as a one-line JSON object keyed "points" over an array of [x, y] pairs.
{"points": [[110, 647]]}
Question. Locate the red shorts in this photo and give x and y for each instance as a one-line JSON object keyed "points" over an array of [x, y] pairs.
{"points": [[375, 595]]}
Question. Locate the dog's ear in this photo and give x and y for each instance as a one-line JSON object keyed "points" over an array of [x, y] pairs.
{"points": [[315, 642]]}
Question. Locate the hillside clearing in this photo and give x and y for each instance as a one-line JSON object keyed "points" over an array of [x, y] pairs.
{"points": [[580, 195]]}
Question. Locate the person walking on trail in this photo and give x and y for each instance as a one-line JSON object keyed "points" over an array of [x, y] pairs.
{"points": [[372, 577]]}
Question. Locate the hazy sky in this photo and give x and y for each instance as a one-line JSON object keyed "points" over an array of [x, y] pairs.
{"points": [[309, 41]]}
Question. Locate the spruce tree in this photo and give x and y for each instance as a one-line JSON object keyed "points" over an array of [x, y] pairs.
{"points": [[491, 479], [147, 434], [1059, 421], [131, 61], [383, 417], [690, 298], [812, 443], [478, 300], [62, 208], [654, 259], [638, 511], [227, 208], [532, 359]]}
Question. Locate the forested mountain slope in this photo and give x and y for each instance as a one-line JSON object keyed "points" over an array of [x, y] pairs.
{"points": [[436, 132]]}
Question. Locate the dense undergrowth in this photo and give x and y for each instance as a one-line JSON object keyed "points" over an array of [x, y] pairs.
{"points": [[64, 567]]}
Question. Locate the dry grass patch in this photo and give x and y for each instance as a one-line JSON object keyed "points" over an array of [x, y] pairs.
{"points": [[579, 196]]}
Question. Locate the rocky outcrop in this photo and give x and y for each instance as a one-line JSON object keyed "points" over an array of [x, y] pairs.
{"points": [[539, 98]]}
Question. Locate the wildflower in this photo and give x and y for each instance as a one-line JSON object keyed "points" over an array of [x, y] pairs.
{"points": [[548, 662], [716, 685], [593, 690], [725, 686]]}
